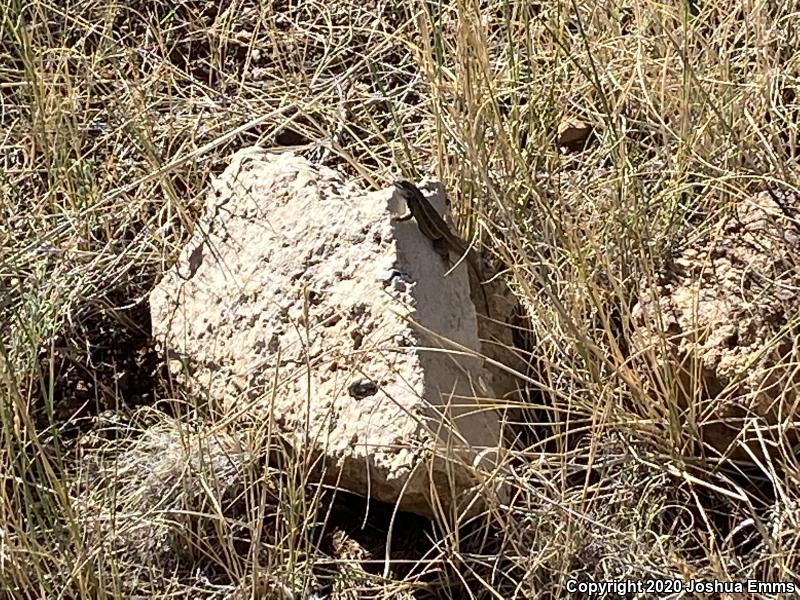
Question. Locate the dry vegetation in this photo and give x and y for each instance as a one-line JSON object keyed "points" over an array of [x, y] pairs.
{"points": [[113, 117]]}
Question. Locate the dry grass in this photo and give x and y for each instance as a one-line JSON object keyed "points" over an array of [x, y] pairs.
{"points": [[114, 115]]}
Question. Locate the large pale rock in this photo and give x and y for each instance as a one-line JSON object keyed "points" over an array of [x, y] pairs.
{"points": [[300, 301], [721, 317]]}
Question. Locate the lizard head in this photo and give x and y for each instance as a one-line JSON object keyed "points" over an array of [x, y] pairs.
{"points": [[406, 187]]}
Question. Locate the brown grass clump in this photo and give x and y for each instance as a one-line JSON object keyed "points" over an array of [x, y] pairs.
{"points": [[114, 115]]}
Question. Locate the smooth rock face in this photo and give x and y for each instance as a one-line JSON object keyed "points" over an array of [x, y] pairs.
{"points": [[723, 308], [300, 301]]}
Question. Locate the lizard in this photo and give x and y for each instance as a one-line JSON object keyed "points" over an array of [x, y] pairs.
{"points": [[433, 227]]}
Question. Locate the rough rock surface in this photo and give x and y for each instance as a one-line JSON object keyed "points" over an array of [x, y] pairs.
{"points": [[727, 307], [299, 301]]}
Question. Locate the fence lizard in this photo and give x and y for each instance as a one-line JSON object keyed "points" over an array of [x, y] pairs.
{"points": [[433, 227]]}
